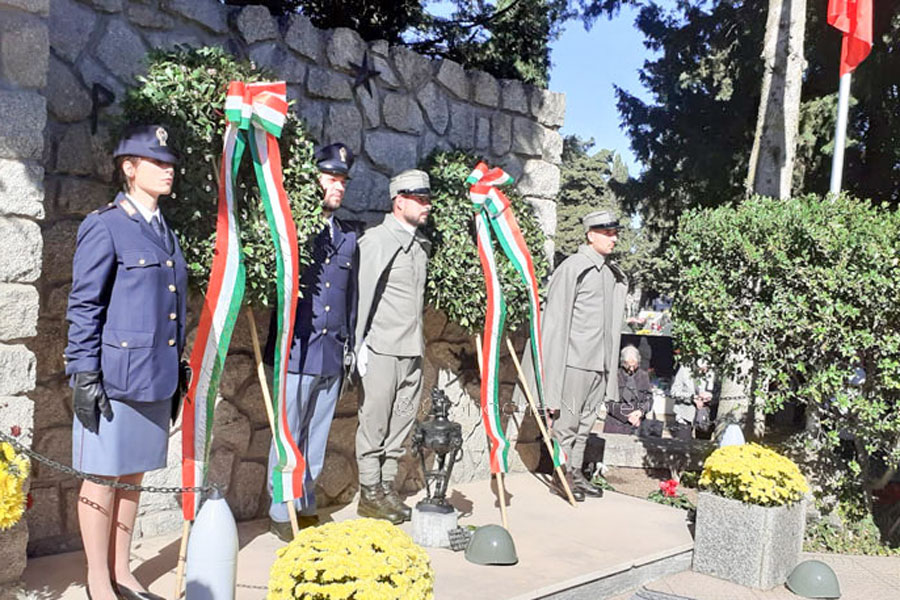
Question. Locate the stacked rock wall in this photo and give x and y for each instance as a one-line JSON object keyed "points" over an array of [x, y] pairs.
{"points": [[24, 50], [416, 105]]}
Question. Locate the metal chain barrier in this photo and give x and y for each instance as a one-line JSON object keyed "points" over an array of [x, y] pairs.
{"points": [[131, 487], [150, 489], [251, 586]]}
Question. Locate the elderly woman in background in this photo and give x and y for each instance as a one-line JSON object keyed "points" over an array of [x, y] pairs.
{"points": [[694, 393], [635, 397]]}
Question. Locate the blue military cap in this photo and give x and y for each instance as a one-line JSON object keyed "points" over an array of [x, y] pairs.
{"points": [[147, 141], [335, 159]]}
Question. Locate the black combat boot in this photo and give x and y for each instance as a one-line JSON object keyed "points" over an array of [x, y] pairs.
{"points": [[374, 504], [393, 498], [585, 486], [556, 486]]}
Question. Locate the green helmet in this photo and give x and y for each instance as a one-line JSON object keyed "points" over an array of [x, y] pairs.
{"points": [[813, 579], [491, 545]]}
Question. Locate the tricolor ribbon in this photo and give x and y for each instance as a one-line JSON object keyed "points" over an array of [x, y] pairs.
{"points": [[493, 212], [255, 114]]}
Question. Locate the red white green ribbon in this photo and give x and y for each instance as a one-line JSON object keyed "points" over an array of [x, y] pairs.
{"points": [[494, 213], [255, 114]]}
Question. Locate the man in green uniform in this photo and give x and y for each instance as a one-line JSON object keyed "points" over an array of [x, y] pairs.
{"points": [[581, 330], [390, 343]]}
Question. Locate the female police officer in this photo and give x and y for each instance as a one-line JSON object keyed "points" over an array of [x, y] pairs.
{"points": [[126, 318]]}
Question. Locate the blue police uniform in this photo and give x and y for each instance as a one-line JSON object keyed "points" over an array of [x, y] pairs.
{"points": [[325, 321], [323, 329], [126, 316]]}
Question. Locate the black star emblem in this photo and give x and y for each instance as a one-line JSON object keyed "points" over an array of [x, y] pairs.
{"points": [[364, 73]]}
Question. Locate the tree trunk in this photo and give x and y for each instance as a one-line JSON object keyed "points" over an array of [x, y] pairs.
{"points": [[774, 145]]}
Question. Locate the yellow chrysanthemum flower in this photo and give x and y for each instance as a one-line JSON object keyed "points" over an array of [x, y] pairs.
{"points": [[359, 559], [753, 474], [14, 470]]}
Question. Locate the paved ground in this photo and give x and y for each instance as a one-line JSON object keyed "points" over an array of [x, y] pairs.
{"points": [[861, 578], [558, 546]]}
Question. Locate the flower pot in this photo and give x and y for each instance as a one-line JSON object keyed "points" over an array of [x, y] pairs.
{"points": [[754, 546]]}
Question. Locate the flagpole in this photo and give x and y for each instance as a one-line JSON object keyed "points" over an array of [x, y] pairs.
{"points": [[840, 134]]}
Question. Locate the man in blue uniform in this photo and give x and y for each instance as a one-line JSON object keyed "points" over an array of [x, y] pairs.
{"points": [[323, 335], [126, 318]]}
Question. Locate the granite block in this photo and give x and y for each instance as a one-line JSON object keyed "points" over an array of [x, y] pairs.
{"points": [[750, 545]]}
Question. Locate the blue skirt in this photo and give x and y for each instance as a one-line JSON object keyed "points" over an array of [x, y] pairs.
{"points": [[134, 441]]}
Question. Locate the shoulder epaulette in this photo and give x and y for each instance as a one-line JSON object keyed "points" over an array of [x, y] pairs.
{"points": [[107, 207]]}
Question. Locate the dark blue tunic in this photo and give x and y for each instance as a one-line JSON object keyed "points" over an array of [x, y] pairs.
{"points": [[326, 312], [126, 318]]}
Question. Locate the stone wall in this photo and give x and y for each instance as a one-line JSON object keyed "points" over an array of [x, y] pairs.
{"points": [[24, 51], [416, 105]]}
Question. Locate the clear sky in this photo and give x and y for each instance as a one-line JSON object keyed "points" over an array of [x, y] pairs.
{"points": [[586, 64]]}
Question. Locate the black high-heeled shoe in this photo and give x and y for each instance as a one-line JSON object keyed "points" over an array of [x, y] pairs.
{"points": [[115, 592], [129, 594]]}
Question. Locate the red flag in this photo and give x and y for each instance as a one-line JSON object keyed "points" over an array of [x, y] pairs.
{"points": [[854, 19]]}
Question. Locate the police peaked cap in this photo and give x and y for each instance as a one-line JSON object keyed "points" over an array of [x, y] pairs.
{"points": [[335, 159], [600, 219], [146, 141]]}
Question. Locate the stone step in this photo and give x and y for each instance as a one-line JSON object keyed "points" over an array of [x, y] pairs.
{"points": [[620, 450]]}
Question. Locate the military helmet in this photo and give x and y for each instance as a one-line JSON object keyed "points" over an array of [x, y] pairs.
{"points": [[813, 579], [491, 545]]}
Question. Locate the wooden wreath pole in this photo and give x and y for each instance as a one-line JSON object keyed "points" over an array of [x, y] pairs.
{"points": [[501, 489], [182, 559], [540, 421], [267, 400]]}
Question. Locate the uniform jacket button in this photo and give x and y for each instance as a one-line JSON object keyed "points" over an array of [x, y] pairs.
{"points": [[124, 344], [172, 316], [171, 287], [327, 308], [328, 284], [327, 260], [169, 263], [324, 330], [171, 342], [142, 262]]}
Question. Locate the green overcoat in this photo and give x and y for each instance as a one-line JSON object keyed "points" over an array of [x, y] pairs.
{"points": [[556, 324]]}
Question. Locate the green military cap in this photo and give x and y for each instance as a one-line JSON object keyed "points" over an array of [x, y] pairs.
{"points": [[600, 219], [412, 182]]}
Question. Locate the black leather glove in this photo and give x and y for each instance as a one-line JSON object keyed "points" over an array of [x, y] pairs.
{"points": [[185, 374], [89, 400]]}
